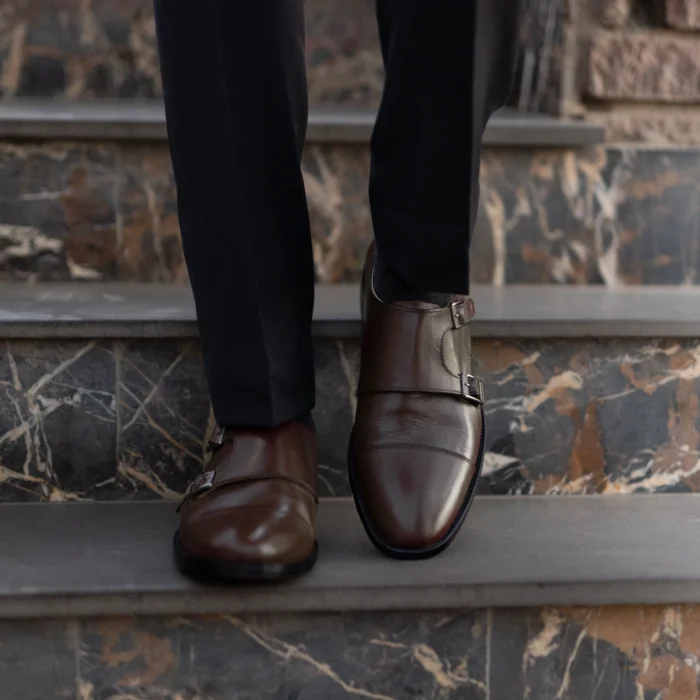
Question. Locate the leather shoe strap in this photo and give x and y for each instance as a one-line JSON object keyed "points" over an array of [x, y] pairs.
{"points": [[208, 482], [417, 348], [244, 456]]}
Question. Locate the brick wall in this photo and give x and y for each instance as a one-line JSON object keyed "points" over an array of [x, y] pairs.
{"points": [[639, 68]]}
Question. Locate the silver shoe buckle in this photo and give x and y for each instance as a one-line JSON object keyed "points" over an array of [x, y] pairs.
{"points": [[458, 314], [472, 388], [217, 440], [203, 483]]}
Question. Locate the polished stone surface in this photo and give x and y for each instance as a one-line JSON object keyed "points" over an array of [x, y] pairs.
{"points": [[614, 216], [129, 418], [107, 120], [128, 310], [83, 560], [592, 416], [616, 653], [620, 653], [149, 311], [595, 216]]}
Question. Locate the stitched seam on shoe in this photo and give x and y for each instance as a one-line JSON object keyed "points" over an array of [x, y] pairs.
{"points": [[429, 448], [397, 306], [407, 310], [256, 478], [442, 354], [273, 511], [230, 486], [408, 390]]}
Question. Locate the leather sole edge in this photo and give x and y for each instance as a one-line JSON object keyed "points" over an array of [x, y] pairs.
{"points": [[205, 569]]}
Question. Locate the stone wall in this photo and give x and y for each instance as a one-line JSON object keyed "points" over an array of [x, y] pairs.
{"points": [[639, 68], [93, 49]]}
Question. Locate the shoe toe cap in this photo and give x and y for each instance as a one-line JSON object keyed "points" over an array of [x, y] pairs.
{"points": [[260, 535], [413, 498]]}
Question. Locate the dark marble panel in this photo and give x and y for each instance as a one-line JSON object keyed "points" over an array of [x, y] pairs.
{"points": [[604, 216], [149, 242], [58, 420], [615, 653], [336, 187], [601, 216], [149, 239], [58, 212], [385, 656], [74, 49], [108, 212], [38, 660], [164, 417], [591, 417], [563, 417], [107, 48]]}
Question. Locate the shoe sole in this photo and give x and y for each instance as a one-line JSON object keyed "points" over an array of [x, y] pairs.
{"points": [[235, 572], [446, 540]]}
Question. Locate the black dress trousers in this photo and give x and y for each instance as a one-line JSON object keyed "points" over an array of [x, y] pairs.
{"points": [[236, 103]]}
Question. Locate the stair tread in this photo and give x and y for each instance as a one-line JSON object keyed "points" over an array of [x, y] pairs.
{"points": [[68, 310], [115, 119], [115, 558]]}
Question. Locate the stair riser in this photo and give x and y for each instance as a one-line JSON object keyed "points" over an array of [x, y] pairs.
{"points": [[127, 419], [75, 50], [604, 215], [613, 653]]}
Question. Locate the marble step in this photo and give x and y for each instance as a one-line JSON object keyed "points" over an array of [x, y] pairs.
{"points": [[103, 207], [523, 605], [108, 120], [89, 559], [589, 390]]}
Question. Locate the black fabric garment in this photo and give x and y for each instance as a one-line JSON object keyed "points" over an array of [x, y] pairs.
{"points": [[236, 103], [391, 288]]}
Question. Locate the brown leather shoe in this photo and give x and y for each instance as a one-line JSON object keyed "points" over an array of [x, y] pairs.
{"points": [[252, 515], [418, 441]]}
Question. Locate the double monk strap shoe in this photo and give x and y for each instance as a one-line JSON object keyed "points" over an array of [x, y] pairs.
{"points": [[417, 444], [252, 514]]}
